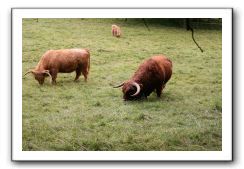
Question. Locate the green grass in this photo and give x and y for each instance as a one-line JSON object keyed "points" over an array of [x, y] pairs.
{"points": [[76, 116]]}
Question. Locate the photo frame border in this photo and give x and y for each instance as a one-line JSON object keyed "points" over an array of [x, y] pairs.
{"points": [[13, 150]]}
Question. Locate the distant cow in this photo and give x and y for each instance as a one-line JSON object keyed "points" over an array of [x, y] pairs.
{"points": [[116, 31], [152, 74], [62, 61]]}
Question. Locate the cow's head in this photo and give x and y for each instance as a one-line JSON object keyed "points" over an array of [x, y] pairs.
{"points": [[40, 75], [131, 90]]}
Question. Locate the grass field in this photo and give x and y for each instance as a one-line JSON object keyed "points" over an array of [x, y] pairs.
{"points": [[76, 116]]}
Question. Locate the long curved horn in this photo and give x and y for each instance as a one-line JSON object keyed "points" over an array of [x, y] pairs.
{"points": [[30, 71], [138, 88], [47, 72], [119, 85]]}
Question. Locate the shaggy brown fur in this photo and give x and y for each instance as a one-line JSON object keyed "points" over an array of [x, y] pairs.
{"points": [[62, 61], [152, 74], [116, 31]]}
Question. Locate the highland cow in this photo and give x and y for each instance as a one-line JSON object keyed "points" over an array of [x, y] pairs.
{"points": [[116, 31], [62, 61], [152, 74]]}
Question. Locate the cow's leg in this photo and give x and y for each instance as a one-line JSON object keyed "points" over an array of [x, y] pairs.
{"points": [[85, 71], [78, 73], [159, 90], [54, 74]]}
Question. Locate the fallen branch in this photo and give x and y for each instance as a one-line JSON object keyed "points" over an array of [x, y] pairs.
{"points": [[188, 27]]}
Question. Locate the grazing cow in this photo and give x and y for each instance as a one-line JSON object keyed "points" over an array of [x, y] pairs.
{"points": [[62, 61], [152, 74], [116, 31]]}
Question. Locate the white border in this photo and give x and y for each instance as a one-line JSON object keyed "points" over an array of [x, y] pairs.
{"points": [[224, 155]]}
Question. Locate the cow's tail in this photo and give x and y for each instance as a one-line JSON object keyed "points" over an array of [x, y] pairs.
{"points": [[88, 51]]}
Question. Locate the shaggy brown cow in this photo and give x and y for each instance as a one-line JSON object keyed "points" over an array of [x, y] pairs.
{"points": [[152, 74], [116, 31], [62, 61]]}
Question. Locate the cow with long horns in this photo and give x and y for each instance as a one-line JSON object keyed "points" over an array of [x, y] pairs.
{"points": [[62, 61], [152, 74]]}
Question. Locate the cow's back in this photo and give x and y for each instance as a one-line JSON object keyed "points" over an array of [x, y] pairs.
{"points": [[165, 65], [64, 60]]}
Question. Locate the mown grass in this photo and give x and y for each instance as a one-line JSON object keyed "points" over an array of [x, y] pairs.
{"points": [[92, 116]]}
